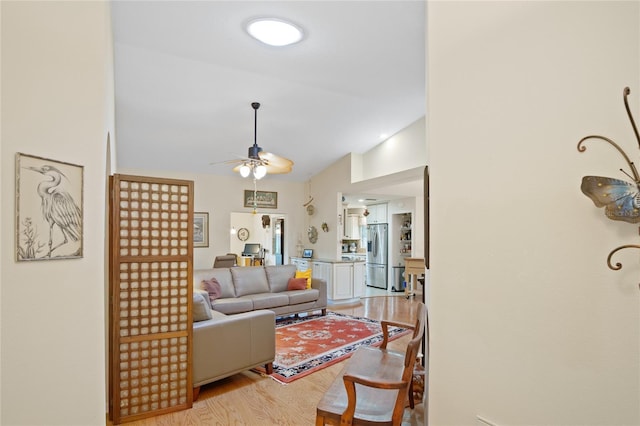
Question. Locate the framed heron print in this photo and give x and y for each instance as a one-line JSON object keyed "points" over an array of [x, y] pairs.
{"points": [[49, 210]]}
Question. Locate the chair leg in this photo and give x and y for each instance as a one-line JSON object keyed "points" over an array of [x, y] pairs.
{"points": [[319, 420], [411, 402], [269, 368]]}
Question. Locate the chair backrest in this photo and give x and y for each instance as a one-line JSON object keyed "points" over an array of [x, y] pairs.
{"points": [[235, 258], [411, 353], [418, 333], [404, 386], [224, 261]]}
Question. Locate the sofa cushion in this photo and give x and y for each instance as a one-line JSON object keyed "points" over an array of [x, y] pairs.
{"points": [[305, 274], [268, 300], [223, 275], [232, 305], [278, 276], [201, 311], [249, 280], [297, 284], [212, 287], [296, 297]]}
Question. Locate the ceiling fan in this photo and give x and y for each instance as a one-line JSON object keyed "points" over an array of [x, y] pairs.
{"points": [[259, 162]]}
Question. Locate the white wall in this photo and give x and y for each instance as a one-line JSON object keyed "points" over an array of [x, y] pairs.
{"points": [[222, 195], [57, 103], [390, 164], [528, 325], [402, 151], [327, 199]]}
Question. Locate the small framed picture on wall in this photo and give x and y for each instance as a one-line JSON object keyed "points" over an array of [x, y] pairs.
{"points": [[201, 229]]}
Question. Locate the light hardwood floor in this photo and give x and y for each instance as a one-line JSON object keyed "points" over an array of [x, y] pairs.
{"points": [[251, 399]]}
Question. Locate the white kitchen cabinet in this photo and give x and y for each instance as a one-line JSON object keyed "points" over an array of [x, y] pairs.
{"points": [[377, 213], [342, 281], [345, 280], [322, 270], [352, 227], [301, 264], [358, 279]]}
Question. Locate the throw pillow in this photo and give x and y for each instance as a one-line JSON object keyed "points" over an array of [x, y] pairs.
{"points": [[201, 311], [212, 286], [305, 274], [297, 284]]}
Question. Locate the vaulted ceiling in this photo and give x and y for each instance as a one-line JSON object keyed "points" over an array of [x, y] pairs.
{"points": [[187, 72]]}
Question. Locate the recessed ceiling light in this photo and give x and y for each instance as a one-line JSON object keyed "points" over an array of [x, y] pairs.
{"points": [[274, 31]]}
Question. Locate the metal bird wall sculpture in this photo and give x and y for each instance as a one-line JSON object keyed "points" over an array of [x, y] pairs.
{"points": [[620, 198], [58, 207]]}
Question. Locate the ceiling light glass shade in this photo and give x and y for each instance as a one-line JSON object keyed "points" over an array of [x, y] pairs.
{"points": [[259, 172], [274, 32], [245, 170]]}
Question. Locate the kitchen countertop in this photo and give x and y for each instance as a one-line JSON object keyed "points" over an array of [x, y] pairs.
{"points": [[319, 259]]}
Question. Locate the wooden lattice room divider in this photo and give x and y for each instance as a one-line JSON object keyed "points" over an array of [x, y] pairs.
{"points": [[151, 268]]}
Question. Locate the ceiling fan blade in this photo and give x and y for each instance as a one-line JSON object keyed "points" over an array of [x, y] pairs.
{"points": [[271, 169], [215, 163], [275, 170], [275, 160]]}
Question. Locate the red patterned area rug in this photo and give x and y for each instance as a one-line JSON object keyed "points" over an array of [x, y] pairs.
{"points": [[307, 344]]}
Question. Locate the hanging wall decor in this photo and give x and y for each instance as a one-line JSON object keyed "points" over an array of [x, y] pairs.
{"points": [[620, 198], [312, 233], [262, 199], [48, 209], [201, 229]]}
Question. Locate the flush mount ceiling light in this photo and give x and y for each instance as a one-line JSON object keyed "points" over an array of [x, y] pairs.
{"points": [[274, 31]]}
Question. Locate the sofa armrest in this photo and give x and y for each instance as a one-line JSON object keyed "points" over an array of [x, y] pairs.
{"points": [[320, 285], [205, 294], [228, 344]]}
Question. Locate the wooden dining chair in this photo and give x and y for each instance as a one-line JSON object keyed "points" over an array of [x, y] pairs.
{"points": [[375, 385]]}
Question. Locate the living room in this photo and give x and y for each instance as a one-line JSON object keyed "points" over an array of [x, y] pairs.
{"points": [[528, 324]]}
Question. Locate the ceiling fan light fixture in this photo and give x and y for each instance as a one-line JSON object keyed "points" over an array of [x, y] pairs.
{"points": [[259, 171], [245, 170], [274, 31]]}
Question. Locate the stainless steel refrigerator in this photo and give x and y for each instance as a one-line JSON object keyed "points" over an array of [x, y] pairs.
{"points": [[377, 262]]}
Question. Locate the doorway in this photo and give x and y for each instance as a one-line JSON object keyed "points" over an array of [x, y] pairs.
{"points": [[278, 241], [271, 236]]}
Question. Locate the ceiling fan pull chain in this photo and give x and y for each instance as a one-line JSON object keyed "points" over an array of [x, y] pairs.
{"points": [[255, 196]]}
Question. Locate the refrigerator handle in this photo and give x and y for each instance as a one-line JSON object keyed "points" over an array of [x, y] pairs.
{"points": [[375, 245]]}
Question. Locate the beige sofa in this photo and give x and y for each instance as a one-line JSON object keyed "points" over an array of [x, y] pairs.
{"points": [[224, 345], [236, 332], [250, 288]]}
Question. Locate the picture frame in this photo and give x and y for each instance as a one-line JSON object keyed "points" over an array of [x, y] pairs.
{"points": [[264, 199], [200, 229], [48, 209]]}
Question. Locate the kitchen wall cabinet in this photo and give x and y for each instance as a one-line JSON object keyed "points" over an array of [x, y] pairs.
{"points": [[377, 214], [352, 227]]}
